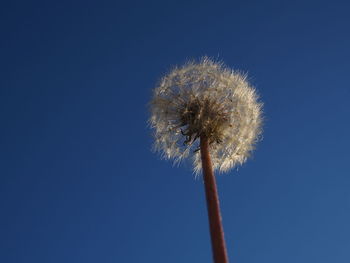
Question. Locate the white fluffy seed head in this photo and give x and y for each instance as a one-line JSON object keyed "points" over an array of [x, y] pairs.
{"points": [[205, 98]]}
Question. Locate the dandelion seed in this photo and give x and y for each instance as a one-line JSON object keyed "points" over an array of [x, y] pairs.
{"points": [[209, 113]]}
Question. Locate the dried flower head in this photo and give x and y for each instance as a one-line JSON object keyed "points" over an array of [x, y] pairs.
{"points": [[205, 99]]}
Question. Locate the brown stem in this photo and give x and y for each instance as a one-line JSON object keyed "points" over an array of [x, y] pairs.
{"points": [[216, 229]]}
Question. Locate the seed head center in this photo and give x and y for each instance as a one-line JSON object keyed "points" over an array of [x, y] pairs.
{"points": [[202, 117]]}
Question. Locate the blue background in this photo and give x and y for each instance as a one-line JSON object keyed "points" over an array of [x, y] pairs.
{"points": [[79, 182]]}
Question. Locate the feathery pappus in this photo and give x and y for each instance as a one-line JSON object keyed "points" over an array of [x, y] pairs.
{"points": [[206, 98]]}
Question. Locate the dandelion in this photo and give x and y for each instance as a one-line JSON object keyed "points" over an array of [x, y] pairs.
{"points": [[211, 114]]}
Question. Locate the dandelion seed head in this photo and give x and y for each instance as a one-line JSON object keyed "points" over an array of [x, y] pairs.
{"points": [[205, 98]]}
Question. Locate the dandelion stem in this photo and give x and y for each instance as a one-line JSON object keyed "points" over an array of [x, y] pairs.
{"points": [[216, 229]]}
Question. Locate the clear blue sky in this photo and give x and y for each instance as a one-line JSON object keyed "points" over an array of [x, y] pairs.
{"points": [[78, 181]]}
